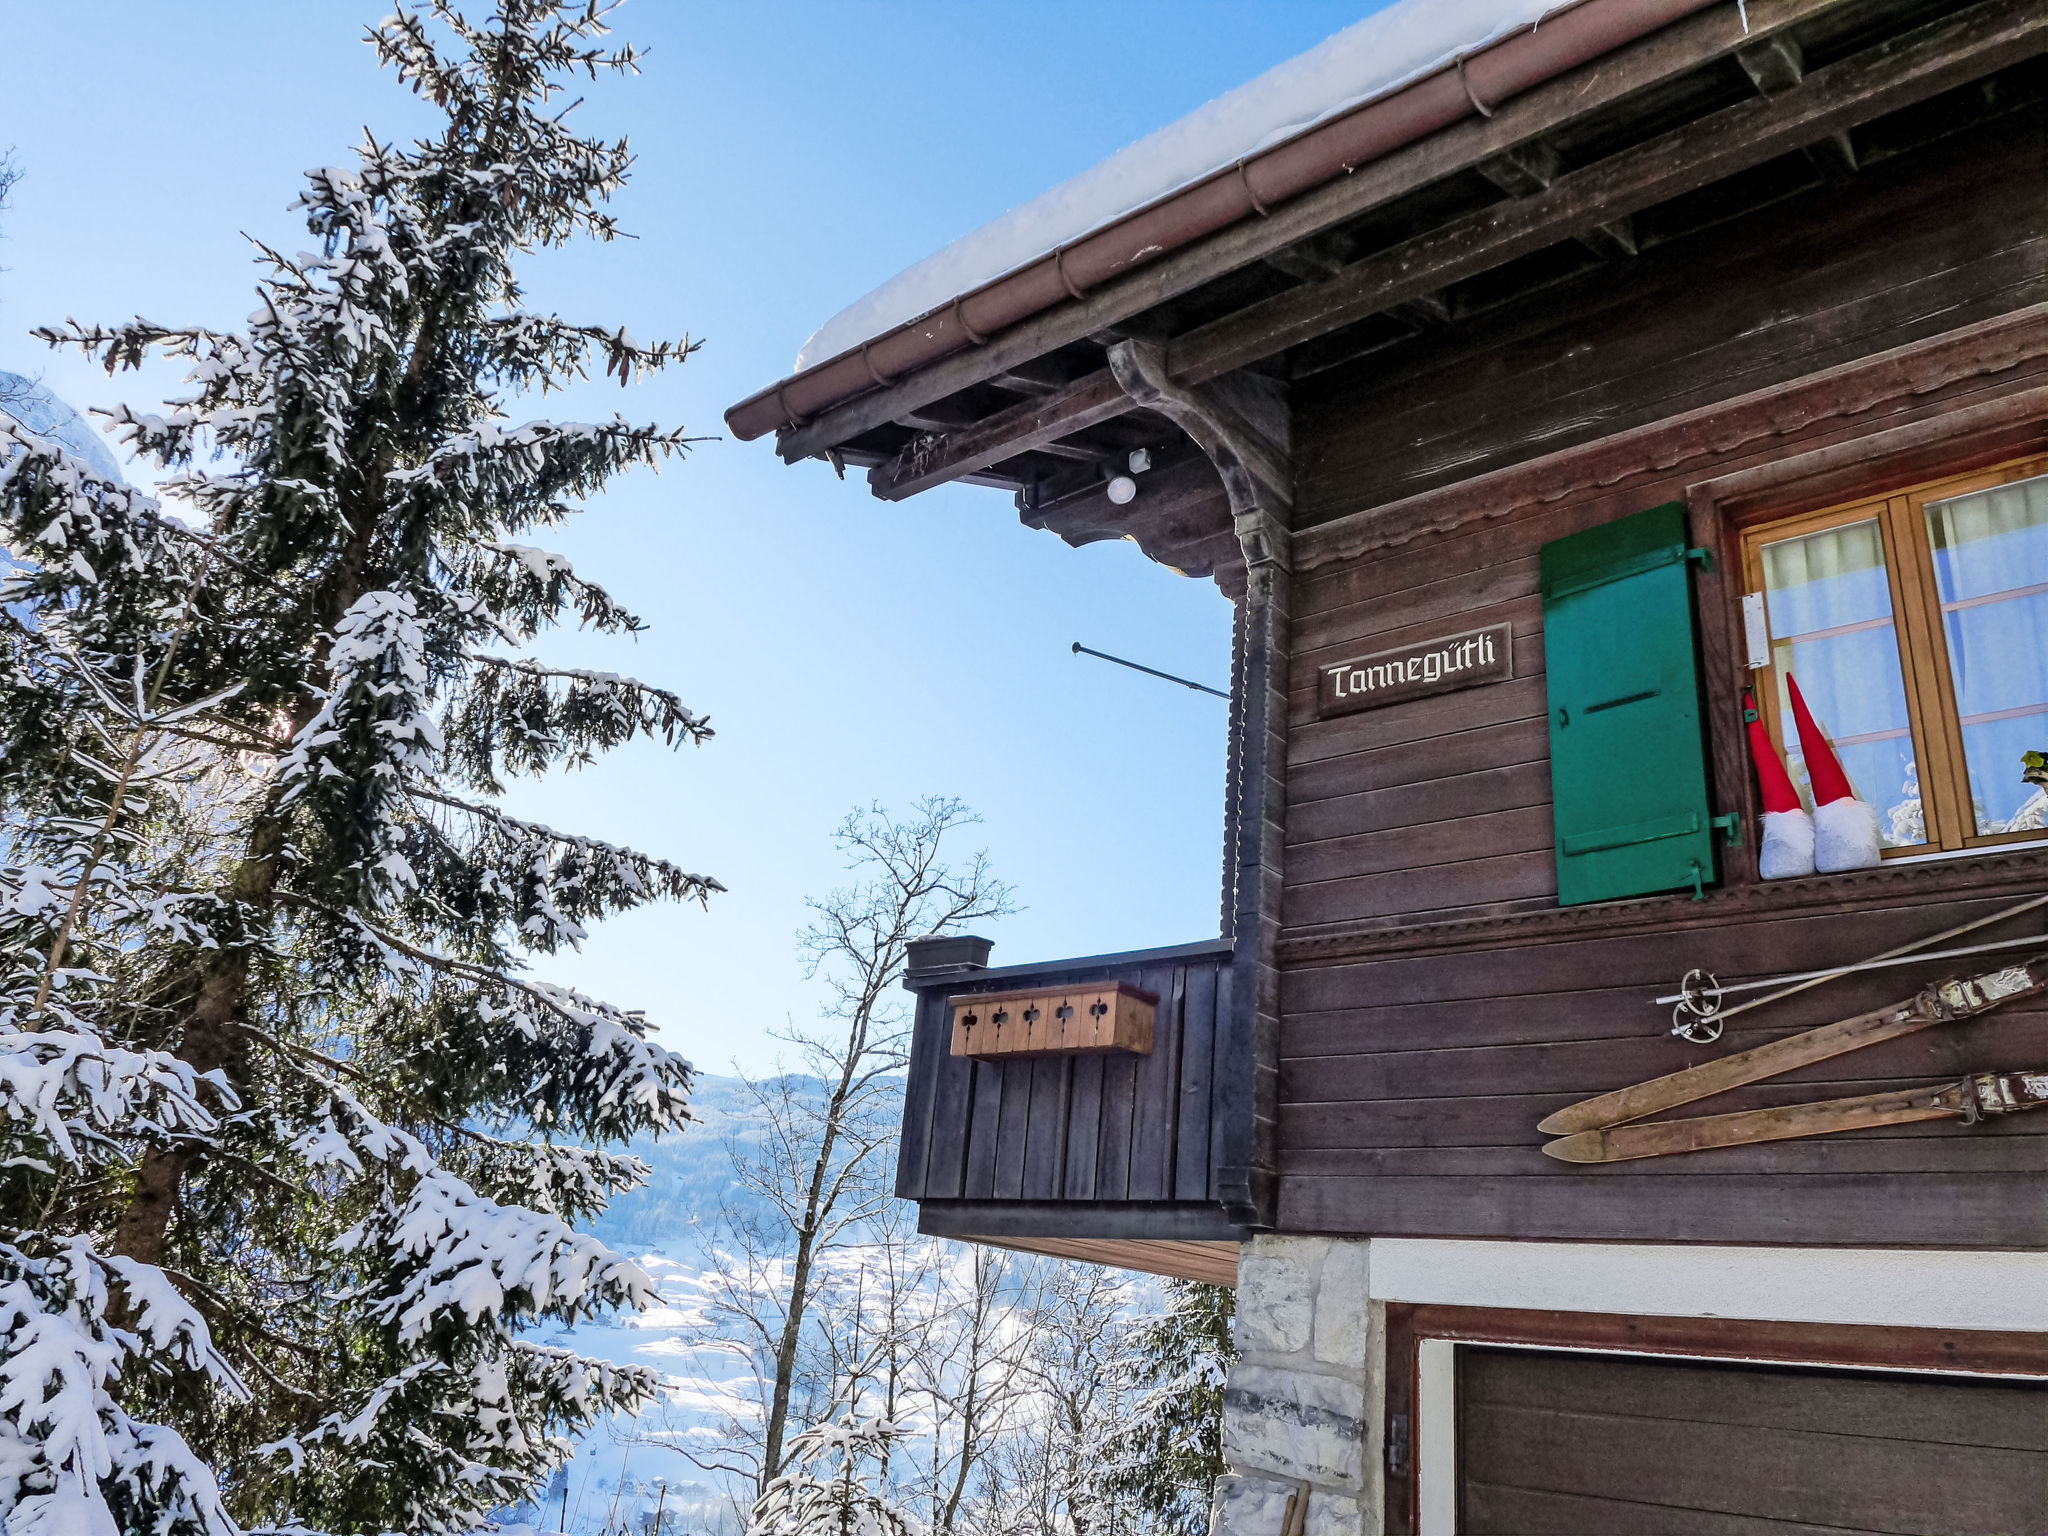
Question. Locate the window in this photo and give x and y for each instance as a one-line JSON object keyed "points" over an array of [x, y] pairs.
{"points": [[1917, 625]]}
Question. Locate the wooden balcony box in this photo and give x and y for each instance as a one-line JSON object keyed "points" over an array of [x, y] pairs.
{"points": [[1111, 1016]]}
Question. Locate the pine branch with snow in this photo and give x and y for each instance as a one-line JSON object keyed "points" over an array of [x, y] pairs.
{"points": [[519, 717], [71, 1459], [289, 1129]]}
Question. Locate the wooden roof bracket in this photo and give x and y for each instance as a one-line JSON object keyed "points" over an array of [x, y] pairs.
{"points": [[1242, 423]]}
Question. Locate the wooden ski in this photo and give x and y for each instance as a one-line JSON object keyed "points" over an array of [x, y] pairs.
{"points": [[1939, 1004], [1986, 1093]]}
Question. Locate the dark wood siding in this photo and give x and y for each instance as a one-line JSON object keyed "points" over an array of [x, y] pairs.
{"points": [[1436, 1003], [1034, 1134], [1411, 1087], [1592, 1445], [1915, 246]]}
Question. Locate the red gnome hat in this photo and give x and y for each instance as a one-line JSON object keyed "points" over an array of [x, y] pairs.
{"points": [[1823, 768], [1787, 845], [1845, 829], [1771, 777]]}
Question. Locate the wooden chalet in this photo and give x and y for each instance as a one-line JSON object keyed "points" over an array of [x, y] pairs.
{"points": [[1536, 407]]}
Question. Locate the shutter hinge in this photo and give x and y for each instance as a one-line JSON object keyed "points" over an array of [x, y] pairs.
{"points": [[1699, 887], [1731, 824], [1397, 1444], [1704, 556]]}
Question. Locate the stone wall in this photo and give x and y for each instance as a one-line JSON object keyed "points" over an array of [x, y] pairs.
{"points": [[1301, 1413]]}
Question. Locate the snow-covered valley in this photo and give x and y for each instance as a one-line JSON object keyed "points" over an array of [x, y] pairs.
{"points": [[626, 1473], [665, 1465]]}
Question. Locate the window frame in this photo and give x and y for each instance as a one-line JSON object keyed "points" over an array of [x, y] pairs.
{"points": [[1920, 633]]}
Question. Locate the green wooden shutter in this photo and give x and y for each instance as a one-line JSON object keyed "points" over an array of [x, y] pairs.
{"points": [[1627, 756]]}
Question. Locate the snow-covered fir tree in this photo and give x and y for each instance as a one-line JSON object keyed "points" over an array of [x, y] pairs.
{"points": [[827, 1487], [1166, 1453], [292, 1141]]}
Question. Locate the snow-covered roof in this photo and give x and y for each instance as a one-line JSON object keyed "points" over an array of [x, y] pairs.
{"points": [[1387, 50]]}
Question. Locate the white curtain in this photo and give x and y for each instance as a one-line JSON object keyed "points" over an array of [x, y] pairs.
{"points": [[1830, 607], [1991, 569]]}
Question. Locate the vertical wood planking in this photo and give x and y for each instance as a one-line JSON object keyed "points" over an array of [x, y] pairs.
{"points": [[1109, 1126], [1013, 1127], [1046, 1127], [1113, 1150], [952, 1112], [1191, 1173], [1084, 1127], [1233, 1094], [984, 1119], [927, 1060], [1230, 1095], [1157, 1089]]}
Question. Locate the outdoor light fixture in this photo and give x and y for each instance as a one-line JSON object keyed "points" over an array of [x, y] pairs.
{"points": [[1122, 490]]}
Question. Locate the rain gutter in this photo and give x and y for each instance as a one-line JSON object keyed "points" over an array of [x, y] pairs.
{"points": [[1471, 84]]}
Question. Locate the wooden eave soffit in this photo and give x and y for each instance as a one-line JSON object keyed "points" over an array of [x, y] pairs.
{"points": [[1181, 519]]}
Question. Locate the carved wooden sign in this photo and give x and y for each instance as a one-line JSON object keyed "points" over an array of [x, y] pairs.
{"points": [[1416, 671]]}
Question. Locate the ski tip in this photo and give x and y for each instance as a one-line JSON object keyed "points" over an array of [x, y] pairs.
{"points": [[1584, 1147], [1570, 1120]]}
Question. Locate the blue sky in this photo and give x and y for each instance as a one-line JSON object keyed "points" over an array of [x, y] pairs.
{"points": [[792, 156]]}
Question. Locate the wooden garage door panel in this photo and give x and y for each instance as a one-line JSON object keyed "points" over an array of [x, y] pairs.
{"points": [[1593, 1444], [1861, 1482], [2012, 1415], [1527, 1512]]}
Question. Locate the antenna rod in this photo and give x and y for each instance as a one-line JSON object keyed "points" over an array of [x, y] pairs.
{"points": [[1082, 650]]}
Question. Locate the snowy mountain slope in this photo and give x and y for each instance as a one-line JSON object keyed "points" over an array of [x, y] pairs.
{"points": [[624, 1472], [29, 403], [692, 1173]]}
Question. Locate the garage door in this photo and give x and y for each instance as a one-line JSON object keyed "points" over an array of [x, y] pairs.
{"points": [[1600, 1445]]}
